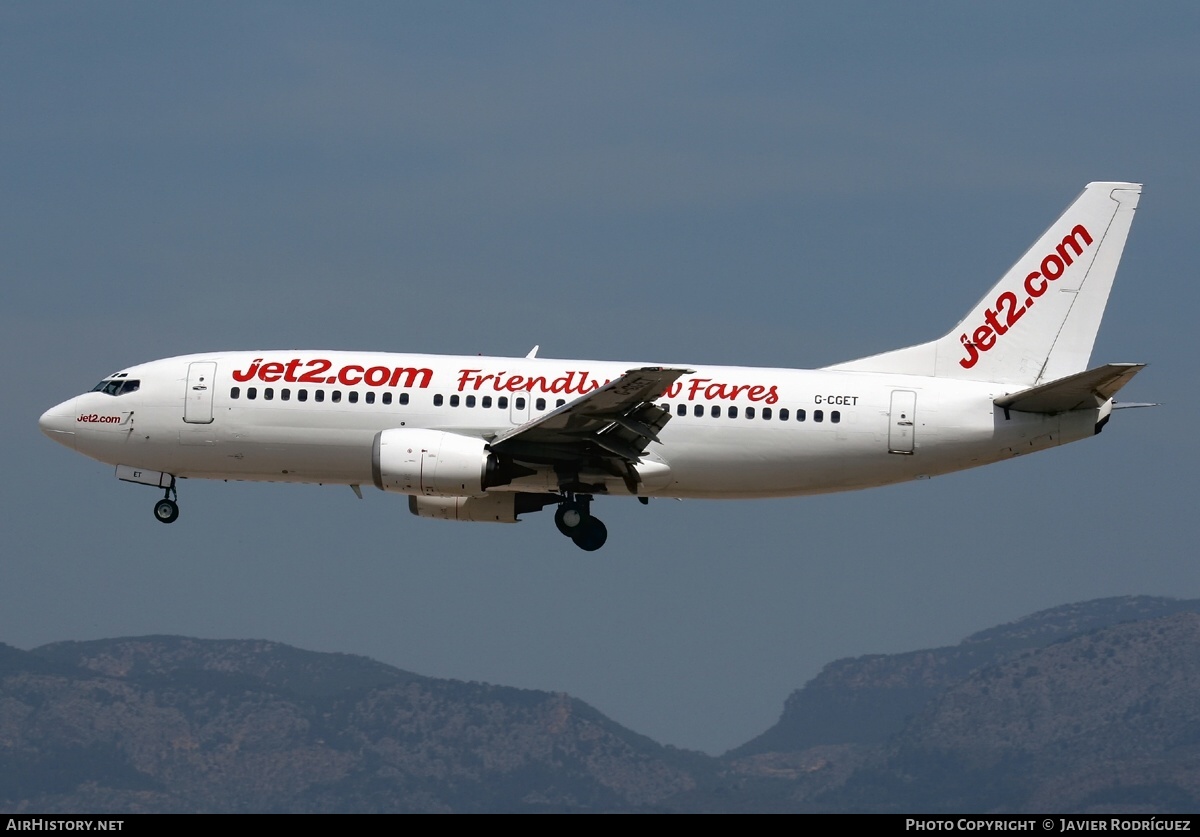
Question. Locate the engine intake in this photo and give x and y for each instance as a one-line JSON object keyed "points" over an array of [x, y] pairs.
{"points": [[434, 463]]}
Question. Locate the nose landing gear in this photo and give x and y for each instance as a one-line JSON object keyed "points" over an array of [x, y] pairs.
{"points": [[166, 510], [574, 519]]}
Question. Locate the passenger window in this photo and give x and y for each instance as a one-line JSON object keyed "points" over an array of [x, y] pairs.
{"points": [[437, 400], [749, 412], [541, 404], [352, 396], [285, 395], [470, 400], [698, 410], [520, 402], [486, 402], [268, 394], [404, 399], [716, 411], [453, 400], [835, 416], [319, 395], [681, 409], [502, 402], [801, 415], [335, 396], [766, 412], [560, 402], [387, 398], [370, 398], [783, 414], [235, 392], [302, 395], [251, 393], [733, 412], [818, 415]]}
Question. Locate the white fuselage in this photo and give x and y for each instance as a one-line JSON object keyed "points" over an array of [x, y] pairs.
{"points": [[311, 416]]}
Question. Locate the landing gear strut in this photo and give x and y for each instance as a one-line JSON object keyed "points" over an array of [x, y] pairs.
{"points": [[166, 510], [573, 517]]}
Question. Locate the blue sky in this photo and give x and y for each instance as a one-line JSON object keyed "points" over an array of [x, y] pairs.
{"points": [[780, 184]]}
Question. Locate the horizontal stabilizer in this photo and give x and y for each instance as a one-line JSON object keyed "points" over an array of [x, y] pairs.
{"points": [[1081, 391]]}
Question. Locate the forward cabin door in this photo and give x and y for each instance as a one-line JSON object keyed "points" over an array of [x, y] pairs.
{"points": [[198, 403], [902, 421]]}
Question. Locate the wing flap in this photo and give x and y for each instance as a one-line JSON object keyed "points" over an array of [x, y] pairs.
{"points": [[617, 421], [1083, 390]]}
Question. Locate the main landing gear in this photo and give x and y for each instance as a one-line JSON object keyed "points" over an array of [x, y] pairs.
{"points": [[573, 517], [166, 510]]}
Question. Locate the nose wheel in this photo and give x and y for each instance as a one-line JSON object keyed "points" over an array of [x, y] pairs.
{"points": [[574, 519], [166, 510]]}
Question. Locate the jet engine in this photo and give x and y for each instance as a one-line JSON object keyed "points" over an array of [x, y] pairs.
{"points": [[501, 507], [434, 463]]}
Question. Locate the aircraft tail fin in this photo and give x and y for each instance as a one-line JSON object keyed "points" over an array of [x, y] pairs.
{"points": [[1040, 321]]}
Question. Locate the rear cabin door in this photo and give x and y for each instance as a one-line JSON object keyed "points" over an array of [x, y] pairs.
{"points": [[902, 421]]}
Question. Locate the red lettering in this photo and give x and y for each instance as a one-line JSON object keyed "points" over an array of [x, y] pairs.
{"points": [[270, 372], [347, 379], [1009, 300], [1052, 267], [377, 376], [465, 376], [972, 353], [410, 375], [1073, 240], [984, 338], [289, 374], [316, 375], [242, 377], [996, 325]]}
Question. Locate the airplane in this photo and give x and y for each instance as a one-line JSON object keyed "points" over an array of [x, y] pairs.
{"points": [[488, 439]]}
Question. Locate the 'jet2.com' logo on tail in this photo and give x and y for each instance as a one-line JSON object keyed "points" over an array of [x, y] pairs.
{"points": [[1037, 283]]}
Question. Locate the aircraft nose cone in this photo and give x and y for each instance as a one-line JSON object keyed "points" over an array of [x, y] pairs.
{"points": [[58, 423]]}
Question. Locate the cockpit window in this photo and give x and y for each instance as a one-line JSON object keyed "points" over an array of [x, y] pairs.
{"points": [[110, 386]]}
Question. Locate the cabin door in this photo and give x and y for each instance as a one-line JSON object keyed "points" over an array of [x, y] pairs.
{"points": [[902, 421], [198, 403]]}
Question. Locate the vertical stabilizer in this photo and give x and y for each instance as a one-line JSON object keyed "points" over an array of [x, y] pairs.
{"points": [[1039, 322]]}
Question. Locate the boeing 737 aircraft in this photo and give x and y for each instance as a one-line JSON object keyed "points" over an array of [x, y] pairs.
{"points": [[489, 439]]}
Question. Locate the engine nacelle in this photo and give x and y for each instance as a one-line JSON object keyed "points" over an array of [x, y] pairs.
{"points": [[500, 507], [433, 463]]}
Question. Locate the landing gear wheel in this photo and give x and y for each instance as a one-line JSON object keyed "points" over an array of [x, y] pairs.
{"points": [[166, 511], [569, 517], [591, 535]]}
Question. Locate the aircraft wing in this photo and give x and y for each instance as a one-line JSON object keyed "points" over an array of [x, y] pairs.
{"points": [[609, 428]]}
